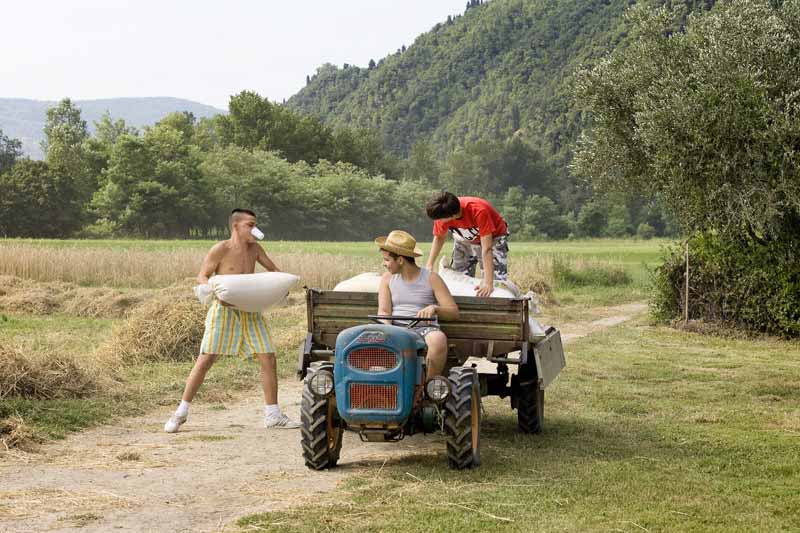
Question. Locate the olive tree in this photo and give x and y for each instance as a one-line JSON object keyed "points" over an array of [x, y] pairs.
{"points": [[707, 116]]}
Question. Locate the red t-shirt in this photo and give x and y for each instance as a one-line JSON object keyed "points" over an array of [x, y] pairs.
{"points": [[478, 218]]}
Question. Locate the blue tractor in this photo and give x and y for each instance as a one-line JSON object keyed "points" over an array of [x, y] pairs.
{"points": [[376, 386], [370, 378]]}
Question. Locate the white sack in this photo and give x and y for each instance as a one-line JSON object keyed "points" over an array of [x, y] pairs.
{"points": [[462, 285], [253, 292], [366, 282]]}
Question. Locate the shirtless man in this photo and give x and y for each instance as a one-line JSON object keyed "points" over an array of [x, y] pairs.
{"points": [[230, 331]]}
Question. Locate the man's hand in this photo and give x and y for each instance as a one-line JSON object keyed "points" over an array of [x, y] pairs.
{"points": [[427, 312], [484, 290]]}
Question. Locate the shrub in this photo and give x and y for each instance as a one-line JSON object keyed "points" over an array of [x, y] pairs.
{"points": [[645, 231], [743, 282]]}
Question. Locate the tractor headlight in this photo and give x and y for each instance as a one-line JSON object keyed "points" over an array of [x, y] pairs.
{"points": [[437, 388], [321, 383]]}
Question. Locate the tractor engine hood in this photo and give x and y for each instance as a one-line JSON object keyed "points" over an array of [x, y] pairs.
{"points": [[376, 370]]}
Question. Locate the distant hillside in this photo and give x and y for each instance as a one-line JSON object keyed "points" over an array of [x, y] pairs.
{"points": [[504, 68], [24, 119]]}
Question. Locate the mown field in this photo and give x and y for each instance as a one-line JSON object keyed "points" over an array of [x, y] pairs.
{"points": [[649, 428], [81, 321]]}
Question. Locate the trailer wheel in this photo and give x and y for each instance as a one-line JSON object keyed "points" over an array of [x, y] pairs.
{"points": [[322, 429], [462, 422], [530, 401]]}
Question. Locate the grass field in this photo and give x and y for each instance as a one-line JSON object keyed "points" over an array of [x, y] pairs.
{"points": [[136, 267], [648, 428]]}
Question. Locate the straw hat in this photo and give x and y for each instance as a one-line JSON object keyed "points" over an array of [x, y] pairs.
{"points": [[399, 242]]}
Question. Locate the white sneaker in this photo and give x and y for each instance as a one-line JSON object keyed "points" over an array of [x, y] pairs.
{"points": [[174, 423], [280, 422]]}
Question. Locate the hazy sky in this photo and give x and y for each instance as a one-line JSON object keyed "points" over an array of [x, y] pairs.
{"points": [[202, 50]]}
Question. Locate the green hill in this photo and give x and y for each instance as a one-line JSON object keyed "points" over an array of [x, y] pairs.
{"points": [[502, 69]]}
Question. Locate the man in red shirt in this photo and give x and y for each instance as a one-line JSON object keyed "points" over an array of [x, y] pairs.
{"points": [[479, 234]]}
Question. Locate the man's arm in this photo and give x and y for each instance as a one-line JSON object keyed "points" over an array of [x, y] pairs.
{"points": [[385, 298], [486, 287], [446, 307], [210, 263], [436, 248], [264, 260]]}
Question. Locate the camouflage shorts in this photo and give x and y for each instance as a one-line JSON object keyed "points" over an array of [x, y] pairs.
{"points": [[466, 256]]}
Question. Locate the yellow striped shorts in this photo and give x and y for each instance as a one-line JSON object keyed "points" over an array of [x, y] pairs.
{"points": [[230, 331]]}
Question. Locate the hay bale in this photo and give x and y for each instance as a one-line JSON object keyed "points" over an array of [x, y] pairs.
{"points": [[168, 327], [44, 375]]}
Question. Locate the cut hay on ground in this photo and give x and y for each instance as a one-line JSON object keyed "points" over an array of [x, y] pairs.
{"points": [[168, 327], [45, 375], [45, 298], [15, 433]]}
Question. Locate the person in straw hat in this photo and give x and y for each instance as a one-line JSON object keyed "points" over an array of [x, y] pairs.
{"points": [[408, 290]]}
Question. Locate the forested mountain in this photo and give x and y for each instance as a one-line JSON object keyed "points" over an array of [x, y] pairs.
{"points": [[502, 69], [24, 119]]}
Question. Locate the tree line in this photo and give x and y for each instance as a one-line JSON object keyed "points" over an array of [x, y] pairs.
{"points": [[181, 176]]}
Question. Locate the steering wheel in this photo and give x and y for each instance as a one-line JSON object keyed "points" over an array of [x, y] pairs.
{"points": [[413, 320]]}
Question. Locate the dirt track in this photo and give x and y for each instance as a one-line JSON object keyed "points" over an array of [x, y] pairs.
{"points": [[131, 476]]}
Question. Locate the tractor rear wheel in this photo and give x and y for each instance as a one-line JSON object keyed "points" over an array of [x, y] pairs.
{"points": [[462, 421], [322, 429], [530, 401]]}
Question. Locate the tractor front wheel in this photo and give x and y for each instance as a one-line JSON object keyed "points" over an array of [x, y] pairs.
{"points": [[322, 429], [462, 421]]}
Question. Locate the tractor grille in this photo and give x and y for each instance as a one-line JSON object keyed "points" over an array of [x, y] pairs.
{"points": [[369, 396], [372, 359]]}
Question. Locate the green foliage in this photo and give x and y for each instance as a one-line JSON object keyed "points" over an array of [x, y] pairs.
{"points": [[422, 164], [38, 202], [254, 122], [497, 70], [592, 219], [10, 152], [645, 231], [153, 185], [325, 201], [532, 216], [619, 221], [740, 281], [65, 132], [706, 117]]}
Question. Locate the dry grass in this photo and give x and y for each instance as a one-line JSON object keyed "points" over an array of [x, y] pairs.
{"points": [[47, 374], [38, 502], [23, 296], [142, 268], [154, 269], [167, 327], [15, 433]]}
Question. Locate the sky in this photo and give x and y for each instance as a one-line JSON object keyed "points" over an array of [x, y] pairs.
{"points": [[201, 50]]}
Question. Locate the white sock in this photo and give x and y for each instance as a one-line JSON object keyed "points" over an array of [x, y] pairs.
{"points": [[183, 408], [272, 411]]}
